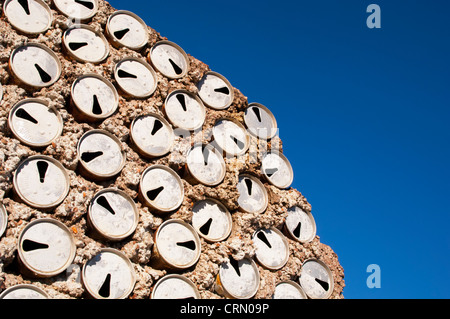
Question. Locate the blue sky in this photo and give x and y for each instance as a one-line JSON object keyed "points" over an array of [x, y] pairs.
{"points": [[363, 114]]}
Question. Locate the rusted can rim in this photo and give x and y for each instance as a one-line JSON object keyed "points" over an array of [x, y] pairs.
{"points": [[50, 108]]}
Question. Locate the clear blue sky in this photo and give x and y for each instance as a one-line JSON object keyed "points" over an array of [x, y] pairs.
{"points": [[363, 114]]}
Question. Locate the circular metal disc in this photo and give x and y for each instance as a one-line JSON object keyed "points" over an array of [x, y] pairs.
{"points": [[272, 248], [162, 188], [152, 134], [85, 44], [30, 17], [34, 123], [113, 214], [136, 78], [101, 154], [231, 137], [215, 91], [81, 10], [253, 196], [212, 220], [41, 182], [3, 219], [23, 291], [239, 279], [169, 59], [316, 279], [277, 170], [289, 290], [175, 287], [300, 225], [185, 110], [109, 275], [35, 65], [178, 244], [46, 247], [127, 29], [94, 97], [260, 121], [206, 164]]}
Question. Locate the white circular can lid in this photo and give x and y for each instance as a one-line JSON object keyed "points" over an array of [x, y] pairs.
{"points": [[30, 17], [127, 29], [152, 134], [23, 291], [3, 219], [240, 278], [253, 196], [260, 121], [41, 182], [215, 91], [206, 164], [231, 137], [135, 77], [175, 287], [101, 154], [169, 59], [162, 188], [35, 123], [212, 220], [178, 243], [85, 44], [109, 275], [185, 110], [316, 279], [289, 290], [272, 248], [277, 169], [94, 96], [46, 247], [35, 65], [300, 225], [81, 10], [113, 214]]}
